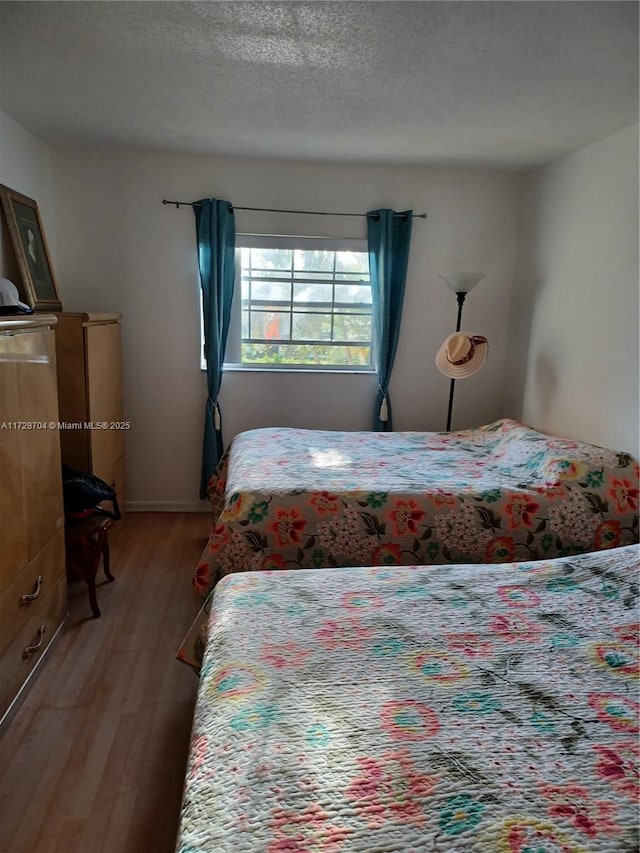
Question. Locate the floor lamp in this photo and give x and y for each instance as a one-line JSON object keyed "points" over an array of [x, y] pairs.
{"points": [[460, 283]]}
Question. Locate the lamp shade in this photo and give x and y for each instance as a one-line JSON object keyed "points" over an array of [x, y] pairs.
{"points": [[462, 282]]}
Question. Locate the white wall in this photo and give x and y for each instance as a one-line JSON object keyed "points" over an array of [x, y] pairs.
{"points": [[26, 165], [574, 322], [570, 332], [120, 249]]}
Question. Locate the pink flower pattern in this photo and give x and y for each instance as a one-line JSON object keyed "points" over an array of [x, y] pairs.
{"points": [[514, 628], [574, 804], [307, 831], [344, 633], [620, 766], [390, 788], [406, 516], [281, 655], [469, 644]]}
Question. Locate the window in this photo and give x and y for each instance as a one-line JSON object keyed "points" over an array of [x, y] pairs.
{"points": [[301, 302]]}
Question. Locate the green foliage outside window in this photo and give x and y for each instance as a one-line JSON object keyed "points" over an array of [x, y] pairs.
{"points": [[308, 355], [291, 296]]}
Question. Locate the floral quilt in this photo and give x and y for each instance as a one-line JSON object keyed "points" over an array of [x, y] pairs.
{"points": [[448, 709], [290, 498]]}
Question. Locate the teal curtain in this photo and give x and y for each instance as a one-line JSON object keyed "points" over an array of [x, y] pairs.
{"points": [[389, 238], [216, 233]]}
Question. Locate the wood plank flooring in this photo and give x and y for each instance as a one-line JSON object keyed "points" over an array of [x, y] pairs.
{"points": [[94, 759]]}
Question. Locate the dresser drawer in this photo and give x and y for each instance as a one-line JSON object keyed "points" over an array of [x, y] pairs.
{"points": [[15, 667], [30, 487], [48, 564]]}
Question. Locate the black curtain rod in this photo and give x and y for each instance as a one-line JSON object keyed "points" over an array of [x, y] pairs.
{"points": [[278, 210]]}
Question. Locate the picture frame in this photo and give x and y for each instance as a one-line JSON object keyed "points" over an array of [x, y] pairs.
{"points": [[37, 285]]}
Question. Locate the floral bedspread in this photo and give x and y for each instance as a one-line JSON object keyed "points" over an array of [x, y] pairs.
{"points": [[449, 709], [289, 498]]}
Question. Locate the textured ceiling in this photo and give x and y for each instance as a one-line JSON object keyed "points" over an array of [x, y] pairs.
{"points": [[508, 84]]}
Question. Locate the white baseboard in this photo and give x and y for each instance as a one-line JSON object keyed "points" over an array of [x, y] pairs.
{"points": [[168, 506]]}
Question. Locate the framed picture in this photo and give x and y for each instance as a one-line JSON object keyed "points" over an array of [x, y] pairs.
{"points": [[37, 284]]}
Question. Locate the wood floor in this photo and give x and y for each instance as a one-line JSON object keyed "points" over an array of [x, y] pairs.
{"points": [[94, 759]]}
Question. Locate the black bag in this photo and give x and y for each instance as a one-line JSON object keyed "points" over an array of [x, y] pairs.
{"points": [[83, 494]]}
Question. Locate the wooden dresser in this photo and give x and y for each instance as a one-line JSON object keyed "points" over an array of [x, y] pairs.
{"points": [[90, 392], [33, 585]]}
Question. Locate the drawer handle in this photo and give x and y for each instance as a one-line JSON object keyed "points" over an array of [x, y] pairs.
{"points": [[38, 643], [27, 599]]}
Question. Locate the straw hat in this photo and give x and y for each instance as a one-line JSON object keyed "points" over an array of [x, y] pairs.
{"points": [[462, 354]]}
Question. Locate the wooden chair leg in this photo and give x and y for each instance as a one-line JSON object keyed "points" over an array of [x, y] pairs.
{"points": [[106, 560], [93, 601], [84, 552]]}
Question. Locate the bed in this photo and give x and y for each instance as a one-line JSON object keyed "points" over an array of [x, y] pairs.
{"points": [[290, 499], [476, 708]]}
